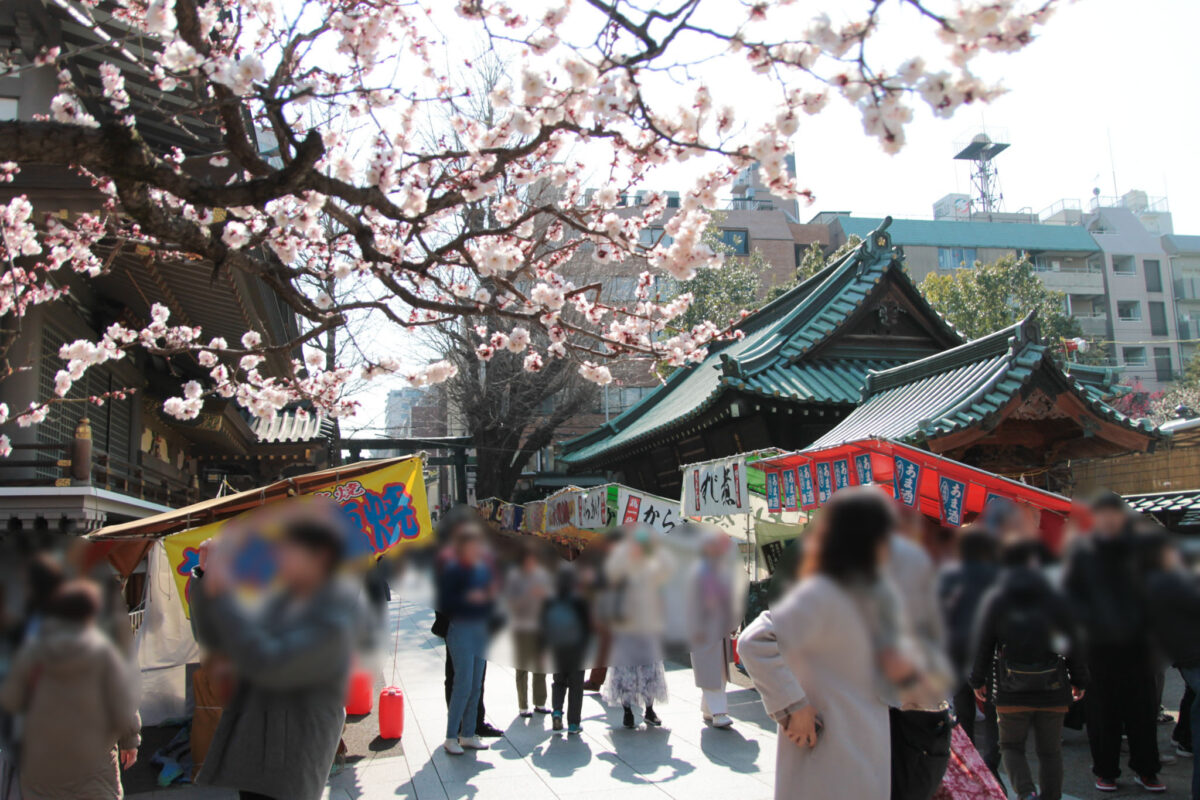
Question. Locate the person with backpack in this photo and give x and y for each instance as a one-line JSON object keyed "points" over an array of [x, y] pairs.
{"points": [[566, 633], [1029, 664]]}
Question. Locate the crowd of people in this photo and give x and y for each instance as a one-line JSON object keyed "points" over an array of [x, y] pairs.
{"points": [[891, 648]]}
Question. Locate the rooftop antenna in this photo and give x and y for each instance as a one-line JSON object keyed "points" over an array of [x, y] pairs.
{"points": [[980, 151]]}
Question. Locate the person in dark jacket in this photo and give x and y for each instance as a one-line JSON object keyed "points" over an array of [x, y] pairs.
{"points": [[961, 588], [1173, 601], [278, 736], [1021, 668], [466, 589], [1104, 582], [566, 632]]}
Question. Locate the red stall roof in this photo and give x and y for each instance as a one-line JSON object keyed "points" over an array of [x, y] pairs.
{"points": [[980, 484]]}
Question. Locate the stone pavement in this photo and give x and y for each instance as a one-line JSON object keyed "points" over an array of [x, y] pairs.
{"points": [[683, 759]]}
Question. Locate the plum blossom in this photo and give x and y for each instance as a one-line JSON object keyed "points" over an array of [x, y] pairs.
{"points": [[518, 340], [596, 373]]}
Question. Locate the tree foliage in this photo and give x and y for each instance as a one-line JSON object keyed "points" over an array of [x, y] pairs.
{"points": [[814, 259], [988, 297]]}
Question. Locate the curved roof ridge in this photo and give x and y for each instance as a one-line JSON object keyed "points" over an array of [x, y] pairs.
{"points": [[1010, 340]]}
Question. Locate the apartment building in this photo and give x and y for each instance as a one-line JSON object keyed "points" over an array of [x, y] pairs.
{"points": [[1126, 278], [1183, 252], [1141, 297]]}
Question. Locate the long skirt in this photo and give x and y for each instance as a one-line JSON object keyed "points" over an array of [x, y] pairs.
{"points": [[636, 676]]}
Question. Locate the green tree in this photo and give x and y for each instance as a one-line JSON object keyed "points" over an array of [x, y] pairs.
{"points": [[814, 259], [992, 296], [721, 295]]}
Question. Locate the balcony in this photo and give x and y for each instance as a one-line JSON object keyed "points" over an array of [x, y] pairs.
{"points": [[1073, 281], [1187, 288], [1093, 324]]}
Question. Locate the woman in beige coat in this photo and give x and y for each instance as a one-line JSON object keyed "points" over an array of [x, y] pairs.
{"points": [[75, 689], [813, 660]]}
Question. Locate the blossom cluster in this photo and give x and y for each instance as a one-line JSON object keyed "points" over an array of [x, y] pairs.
{"points": [[322, 180]]}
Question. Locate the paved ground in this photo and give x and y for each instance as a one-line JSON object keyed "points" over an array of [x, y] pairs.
{"points": [[683, 759]]}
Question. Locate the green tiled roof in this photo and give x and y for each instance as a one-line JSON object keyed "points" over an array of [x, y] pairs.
{"points": [[960, 388], [999, 235], [770, 360]]}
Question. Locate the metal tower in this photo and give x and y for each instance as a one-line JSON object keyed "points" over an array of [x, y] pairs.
{"points": [[980, 151]]}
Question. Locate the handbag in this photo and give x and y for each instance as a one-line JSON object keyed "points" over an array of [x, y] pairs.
{"points": [[440, 626]]}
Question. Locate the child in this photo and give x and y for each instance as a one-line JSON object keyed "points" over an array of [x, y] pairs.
{"points": [[565, 633]]}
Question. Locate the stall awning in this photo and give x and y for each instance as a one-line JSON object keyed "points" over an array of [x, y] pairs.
{"points": [[942, 488], [220, 508]]}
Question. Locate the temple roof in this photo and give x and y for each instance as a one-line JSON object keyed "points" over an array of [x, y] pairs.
{"points": [[976, 386], [802, 347]]}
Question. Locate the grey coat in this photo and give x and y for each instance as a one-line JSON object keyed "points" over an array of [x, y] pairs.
{"points": [[814, 647], [710, 623], [279, 734]]}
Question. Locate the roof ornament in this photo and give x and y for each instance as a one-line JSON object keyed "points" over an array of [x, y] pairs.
{"points": [[730, 368], [877, 244]]}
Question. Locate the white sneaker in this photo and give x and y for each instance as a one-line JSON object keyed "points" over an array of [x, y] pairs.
{"points": [[452, 747], [473, 743], [722, 721]]}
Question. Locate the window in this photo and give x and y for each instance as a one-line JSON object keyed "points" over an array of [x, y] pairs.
{"points": [[9, 109], [1162, 363], [1134, 356], [652, 236], [673, 200], [1129, 310], [1153, 270], [1124, 265], [1158, 318], [737, 241], [956, 257]]}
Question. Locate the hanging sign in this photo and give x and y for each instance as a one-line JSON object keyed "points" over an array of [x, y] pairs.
{"points": [[639, 508], [993, 497], [382, 510], [591, 508], [953, 493], [789, 490], [560, 511], [808, 493], [507, 516], [907, 477], [862, 465], [824, 483], [774, 502], [717, 489], [841, 473]]}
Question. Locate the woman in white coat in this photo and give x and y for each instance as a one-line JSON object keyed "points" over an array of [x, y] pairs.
{"points": [[813, 659]]}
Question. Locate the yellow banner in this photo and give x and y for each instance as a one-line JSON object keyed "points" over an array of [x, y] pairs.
{"points": [[384, 510]]}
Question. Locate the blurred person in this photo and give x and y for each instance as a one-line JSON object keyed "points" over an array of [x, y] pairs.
{"points": [[961, 588], [43, 576], [466, 589], [813, 659], [449, 523], [525, 590], [278, 735], [1029, 664], [75, 690], [712, 618], [601, 593], [915, 665], [1173, 600], [1104, 582], [566, 632], [637, 570]]}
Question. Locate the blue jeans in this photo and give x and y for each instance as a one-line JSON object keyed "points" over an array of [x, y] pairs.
{"points": [[1191, 676], [466, 641]]}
